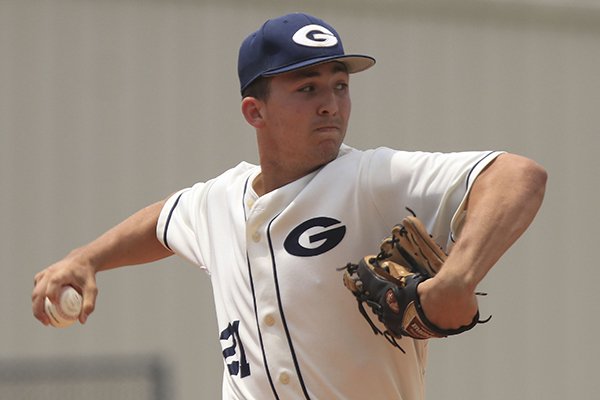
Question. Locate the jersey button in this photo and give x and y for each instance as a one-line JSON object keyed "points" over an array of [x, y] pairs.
{"points": [[270, 320], [284, 378], [256, 237]]}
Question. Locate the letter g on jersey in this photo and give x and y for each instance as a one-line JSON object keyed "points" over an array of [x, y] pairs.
{"points": [[311, 232], [315, 36]]}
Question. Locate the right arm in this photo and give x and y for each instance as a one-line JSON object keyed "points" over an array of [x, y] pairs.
{"points": [[131, 242]]}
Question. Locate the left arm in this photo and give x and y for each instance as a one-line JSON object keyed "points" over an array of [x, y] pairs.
{"points": [[501, 205]]}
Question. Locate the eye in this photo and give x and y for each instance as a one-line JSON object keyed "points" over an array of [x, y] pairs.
{"points": [[341, 86], [307, 89]]}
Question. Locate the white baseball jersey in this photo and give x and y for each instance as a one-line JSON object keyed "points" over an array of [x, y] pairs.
{"points": [[288, 327]]}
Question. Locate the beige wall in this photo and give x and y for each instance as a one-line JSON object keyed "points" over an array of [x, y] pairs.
{"points": [[106, 106]]}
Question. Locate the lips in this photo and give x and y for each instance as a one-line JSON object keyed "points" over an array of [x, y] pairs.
{"points": [[328, 128]]}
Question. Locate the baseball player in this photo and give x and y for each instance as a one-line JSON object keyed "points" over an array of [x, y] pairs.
{"points": [[273, 236]]}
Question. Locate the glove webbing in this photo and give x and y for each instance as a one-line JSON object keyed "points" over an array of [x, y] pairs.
{"points": [[361, 298]]}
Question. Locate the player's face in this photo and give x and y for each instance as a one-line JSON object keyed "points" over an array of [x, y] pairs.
{"points": [[306, 115]]}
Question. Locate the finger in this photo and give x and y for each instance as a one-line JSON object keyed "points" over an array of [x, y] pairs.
{"points": [[37, 304], [58, 277], [89, 293], [39, 313], [37, 277], [53, 289]]}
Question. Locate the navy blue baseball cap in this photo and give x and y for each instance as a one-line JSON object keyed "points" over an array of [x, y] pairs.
{"points": [[292, 42]]}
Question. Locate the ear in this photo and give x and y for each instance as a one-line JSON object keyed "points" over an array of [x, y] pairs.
{"points": [[252, 109]]}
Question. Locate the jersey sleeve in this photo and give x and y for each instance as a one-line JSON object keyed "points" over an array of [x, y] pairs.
{"points": [[433, 185], [176, 227]]}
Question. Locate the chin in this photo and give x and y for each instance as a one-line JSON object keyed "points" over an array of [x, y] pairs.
{"points": [[329, 150]]}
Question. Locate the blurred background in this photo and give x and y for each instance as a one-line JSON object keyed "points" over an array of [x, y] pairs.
{"points": [[109, 105]]}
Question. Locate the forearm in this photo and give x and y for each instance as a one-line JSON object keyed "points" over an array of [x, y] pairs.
{"points": [[502, 204], [131, 242]]}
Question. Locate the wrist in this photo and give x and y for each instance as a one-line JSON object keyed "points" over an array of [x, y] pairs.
{"points": [[82, 257], [462, 282]]}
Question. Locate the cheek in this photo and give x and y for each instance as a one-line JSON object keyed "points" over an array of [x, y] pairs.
{"points": [[286, 110], [287, 128], [287, 123], [293, 120], [346, 107]]}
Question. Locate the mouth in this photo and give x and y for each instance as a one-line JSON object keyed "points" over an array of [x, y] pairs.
{"points": [[328, 128]]}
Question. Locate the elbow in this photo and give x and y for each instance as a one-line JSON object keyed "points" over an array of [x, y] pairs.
{"points": [[537, 177], [531, 177]]}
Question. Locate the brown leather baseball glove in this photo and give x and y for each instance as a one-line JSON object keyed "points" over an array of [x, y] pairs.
{"points": [[387, 283]]}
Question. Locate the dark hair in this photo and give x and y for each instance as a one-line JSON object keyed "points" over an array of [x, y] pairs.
{"points": [[258, 89]]}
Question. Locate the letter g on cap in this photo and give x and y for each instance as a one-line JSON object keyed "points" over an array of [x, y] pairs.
{"points": [[315, 36]]}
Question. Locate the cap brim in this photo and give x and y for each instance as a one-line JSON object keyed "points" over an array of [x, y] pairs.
{"points": [[354, 63]]}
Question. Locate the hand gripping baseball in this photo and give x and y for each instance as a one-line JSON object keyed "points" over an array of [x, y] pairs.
{"points": [[387, 283], [50, 282]]}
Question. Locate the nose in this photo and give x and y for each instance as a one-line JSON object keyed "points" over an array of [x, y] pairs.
{"points": [[329, 103]]}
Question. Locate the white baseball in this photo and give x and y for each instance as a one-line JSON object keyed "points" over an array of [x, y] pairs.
{"points": [[68, 309]]}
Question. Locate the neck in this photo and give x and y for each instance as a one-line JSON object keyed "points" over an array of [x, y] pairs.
{"points": [[271, 178]]}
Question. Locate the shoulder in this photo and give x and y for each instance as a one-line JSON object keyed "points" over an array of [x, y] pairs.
{"points": [[242, 169], [413, 162], [234, 177], [231, 175]]}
